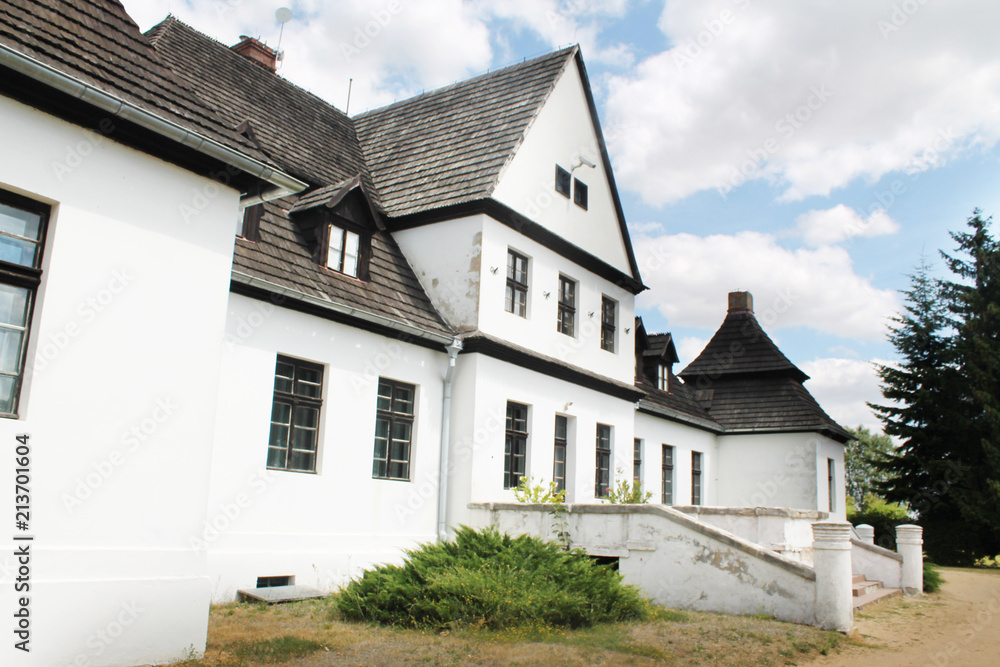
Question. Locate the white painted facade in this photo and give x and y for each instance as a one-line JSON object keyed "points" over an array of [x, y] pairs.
{"points": [[122, 374]]}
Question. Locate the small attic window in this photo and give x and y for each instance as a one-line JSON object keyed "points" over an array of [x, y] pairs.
{"points": [[662, 377], [343, 251], [563, 181], [580, 193], [249, 225]]}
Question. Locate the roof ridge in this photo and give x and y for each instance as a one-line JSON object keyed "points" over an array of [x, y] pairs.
{"points": [[470, 81]]}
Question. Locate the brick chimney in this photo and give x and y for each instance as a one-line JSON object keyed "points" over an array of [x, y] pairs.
{"points": [[258, 52], [740, 302]]}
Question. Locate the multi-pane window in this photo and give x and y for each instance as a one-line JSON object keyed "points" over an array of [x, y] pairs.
{"points": [[662, 377], [580, 193], [344, 251], [667, 470], [608, 318], [298, 393], [393, 430], [567, 306], [517, 284], [563, 180], [602, 477], [559, 455], [516, 445], [830, 483], [22, 230], [696, 478], [637, 461]]}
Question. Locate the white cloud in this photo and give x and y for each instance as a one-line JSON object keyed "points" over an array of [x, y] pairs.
{"points": [[806, 95], [688, 349], [833, 225], [689, 277], [842, 387]]}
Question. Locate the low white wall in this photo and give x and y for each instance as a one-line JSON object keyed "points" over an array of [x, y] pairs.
{"points": [[786, 531], [677, 561], [877, 564]]}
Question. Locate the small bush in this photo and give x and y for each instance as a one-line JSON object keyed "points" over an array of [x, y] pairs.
{"points": [[932, 578], [882, 516], [527, 491], [491, 580]]}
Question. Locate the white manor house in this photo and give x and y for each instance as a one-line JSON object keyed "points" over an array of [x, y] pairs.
{"points": [[255, 342]]}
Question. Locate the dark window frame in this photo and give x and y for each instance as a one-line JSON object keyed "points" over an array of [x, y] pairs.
{"points": [[564, 181], [667, 475], [637, 461], [831, 469], [602, 465], [515, 286], [559, 449], [566, 318], [296, 402], [27, 278], [580, 193], [361, 261], [250, 226], [515, 444], [397, 414], [609, 320], [697, 492]]}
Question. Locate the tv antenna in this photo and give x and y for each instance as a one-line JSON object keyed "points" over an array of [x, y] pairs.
{"points": [[283, 15]]}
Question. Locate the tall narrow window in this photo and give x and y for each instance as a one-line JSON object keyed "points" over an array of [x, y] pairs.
{"points": [[517, 284], [608, 308], [563, 180], [559, 455], [22, 231], [831, 483], [696, 478], [662, 377], [667, 470], [602, 477], [516, 446], [344, 251], [637, 462], [393, 430], [567, 306], [295, 411], [580, 193]]}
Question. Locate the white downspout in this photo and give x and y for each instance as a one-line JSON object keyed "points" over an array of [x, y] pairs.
{"points": [[453, 349]]}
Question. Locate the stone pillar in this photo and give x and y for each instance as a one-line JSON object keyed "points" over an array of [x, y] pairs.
{"points": [[832, 562], [910, 545], [866, 533]]}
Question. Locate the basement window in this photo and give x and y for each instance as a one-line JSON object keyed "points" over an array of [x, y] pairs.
{"points": [[271, 582]]}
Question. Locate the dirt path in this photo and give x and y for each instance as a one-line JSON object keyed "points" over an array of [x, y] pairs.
{"points": [[960, 625]]}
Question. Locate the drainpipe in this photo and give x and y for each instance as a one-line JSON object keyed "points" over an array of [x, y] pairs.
{"points": [[453, 349]]}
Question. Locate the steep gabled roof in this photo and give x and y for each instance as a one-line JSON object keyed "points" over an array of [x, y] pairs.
{"points": [[307, 136], [95, 42], [449, 146]]}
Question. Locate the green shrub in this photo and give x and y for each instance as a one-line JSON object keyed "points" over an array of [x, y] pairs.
{"points": [[527, 491], [627, 492], [492, 580], [932, 578], [882, 516]]}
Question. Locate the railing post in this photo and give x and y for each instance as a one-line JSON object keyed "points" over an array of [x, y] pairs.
{"points": [[910, 545], [832, 562], [866, 533]]}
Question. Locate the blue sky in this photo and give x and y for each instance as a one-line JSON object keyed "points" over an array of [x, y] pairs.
{"points": [[806, 150]]}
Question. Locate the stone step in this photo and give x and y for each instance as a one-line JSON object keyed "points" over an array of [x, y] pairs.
{"points": [[878, 595], [857, 579], [863, 588]]}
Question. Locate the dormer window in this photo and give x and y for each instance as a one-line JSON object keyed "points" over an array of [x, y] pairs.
{"points": [[580, 193], [343, 251], [563, 181], [662, 377]]}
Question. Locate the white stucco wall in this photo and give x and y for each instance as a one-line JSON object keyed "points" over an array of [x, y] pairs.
{"points": [[656, 432], [831, 449], [770, 470], [560, 134], [123, 370], [321, 528]]}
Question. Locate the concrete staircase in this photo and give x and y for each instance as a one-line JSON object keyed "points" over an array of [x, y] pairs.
{"points": [[868, 592]]}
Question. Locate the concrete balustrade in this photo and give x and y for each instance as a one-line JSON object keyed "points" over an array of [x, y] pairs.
{"points": [[865, 533], [910, 545]]}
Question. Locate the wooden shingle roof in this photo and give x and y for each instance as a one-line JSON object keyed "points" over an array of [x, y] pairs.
{"points": [[97, 43], [450, 145]]}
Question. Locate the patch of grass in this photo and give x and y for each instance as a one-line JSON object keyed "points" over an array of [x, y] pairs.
{"points": [[492, 580], [281, 649]]}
